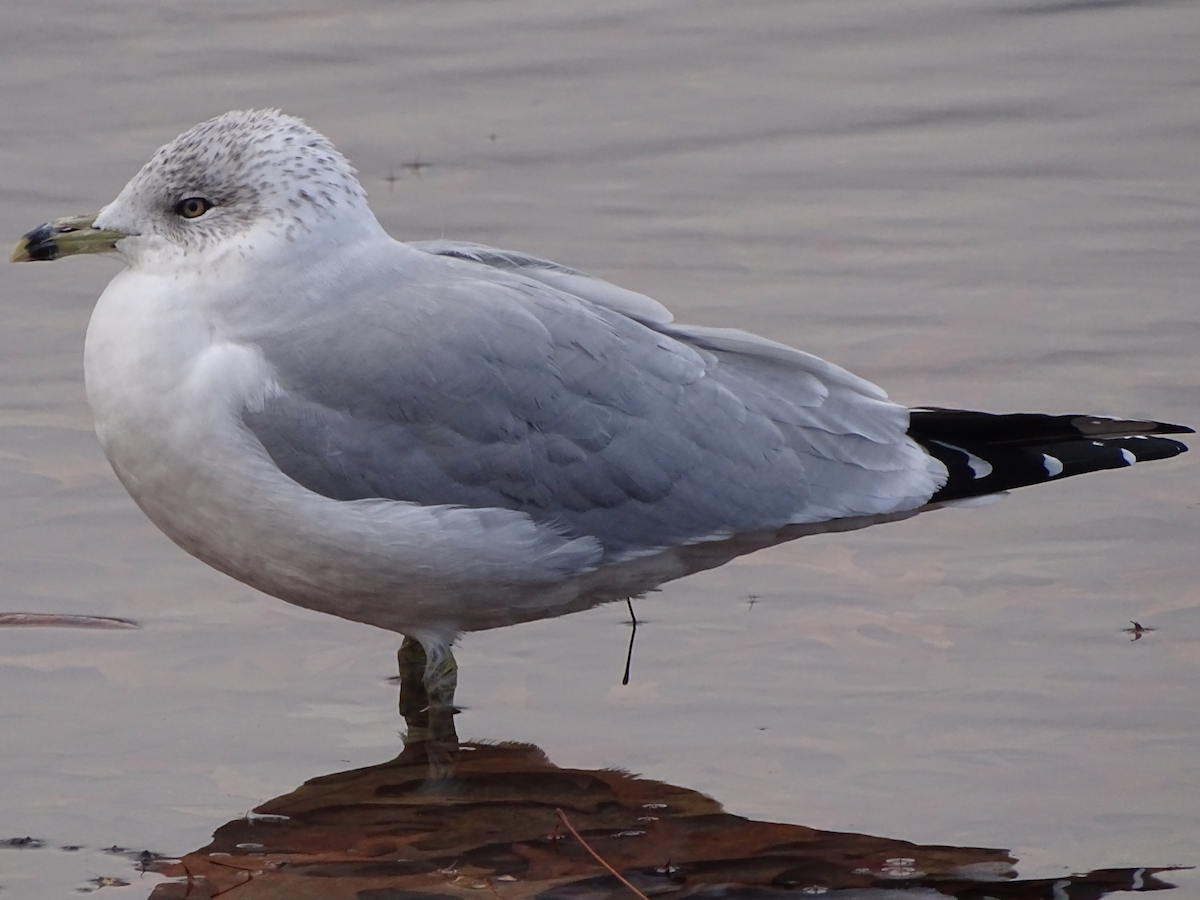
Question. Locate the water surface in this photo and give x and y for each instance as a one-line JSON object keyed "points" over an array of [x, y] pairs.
{"points": [[990, 205]]}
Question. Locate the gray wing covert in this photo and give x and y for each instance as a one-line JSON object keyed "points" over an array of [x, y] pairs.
{"points": [[508, 393], [852, 440], [637, 306]]}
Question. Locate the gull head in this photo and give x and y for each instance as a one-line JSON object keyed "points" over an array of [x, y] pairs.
{"points": [[223, 184]]}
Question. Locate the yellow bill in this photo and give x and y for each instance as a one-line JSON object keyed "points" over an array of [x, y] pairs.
{"points": [[65, 237]]}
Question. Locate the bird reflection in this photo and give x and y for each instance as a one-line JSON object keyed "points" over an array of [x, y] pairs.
{"points": [[447, 819]]}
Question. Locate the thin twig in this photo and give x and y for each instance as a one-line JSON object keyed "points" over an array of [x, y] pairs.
{"points": [[248, 872], [632, 634], [234, 887], [562, 817]]}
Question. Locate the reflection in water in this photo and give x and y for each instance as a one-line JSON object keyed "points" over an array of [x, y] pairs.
{"points": [[447, 819]]}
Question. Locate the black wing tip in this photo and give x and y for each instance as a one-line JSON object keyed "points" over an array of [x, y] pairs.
{"points": [[986, 453], [1099, 426], [1144, 447], [975, 470], [964, 425]]}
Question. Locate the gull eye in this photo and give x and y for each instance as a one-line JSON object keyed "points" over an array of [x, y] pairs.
{"points": [[192, 207]]}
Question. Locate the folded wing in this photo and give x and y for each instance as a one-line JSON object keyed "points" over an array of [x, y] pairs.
{"points": [[493, 379]]}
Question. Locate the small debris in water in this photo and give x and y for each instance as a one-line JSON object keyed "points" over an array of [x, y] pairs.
{"points": [[900, 867], [253, 817], [1137, 630], [108, 881], [59, 620], [23, 843]]}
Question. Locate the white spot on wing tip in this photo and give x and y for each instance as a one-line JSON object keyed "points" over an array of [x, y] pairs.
{"points": [[980, 467], [1053, 466], [1129, 458]]}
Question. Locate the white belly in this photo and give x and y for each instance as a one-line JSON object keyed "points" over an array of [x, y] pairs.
{"points": [[167, 391]]}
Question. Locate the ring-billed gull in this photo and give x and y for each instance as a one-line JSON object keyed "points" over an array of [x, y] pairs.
{"points": [[440, 436]]}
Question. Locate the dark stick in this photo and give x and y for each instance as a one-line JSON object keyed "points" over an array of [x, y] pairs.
{"points": [[562, 817], [632, 634]]}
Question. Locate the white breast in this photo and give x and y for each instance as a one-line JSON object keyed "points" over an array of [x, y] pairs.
{"points": [[167, 389]]}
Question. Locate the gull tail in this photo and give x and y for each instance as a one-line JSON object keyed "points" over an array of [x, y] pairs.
{"points": [[987, 453]]}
